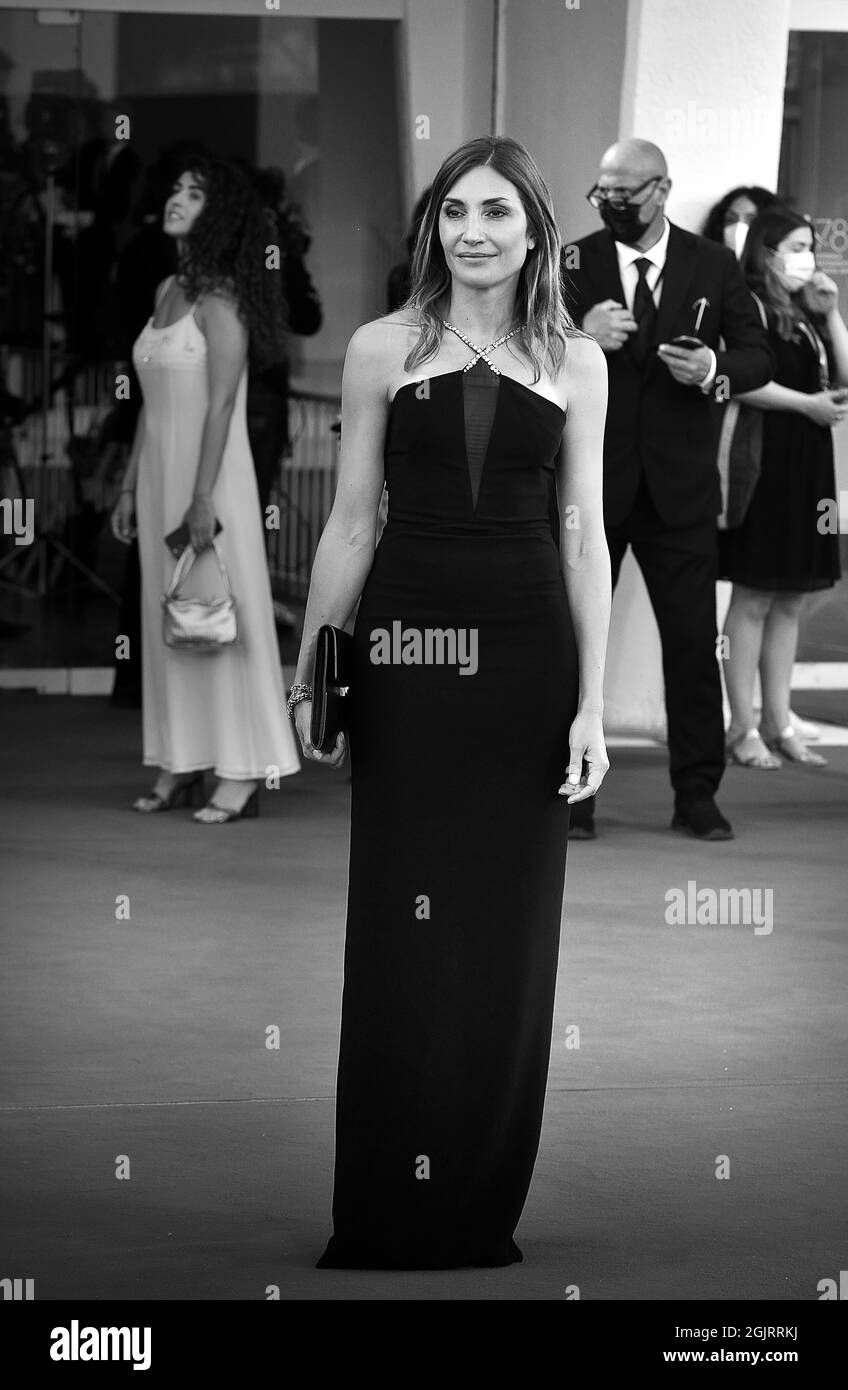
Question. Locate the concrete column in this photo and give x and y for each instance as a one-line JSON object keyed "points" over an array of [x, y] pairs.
{"points": [[705, 83], [446, 82], [563, 71]]}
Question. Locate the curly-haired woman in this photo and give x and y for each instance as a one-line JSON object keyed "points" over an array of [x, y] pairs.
{"points": [[727, 222], [191, 463]]}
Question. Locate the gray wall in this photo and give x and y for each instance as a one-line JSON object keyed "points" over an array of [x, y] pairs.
{"points": [[563, 89]]}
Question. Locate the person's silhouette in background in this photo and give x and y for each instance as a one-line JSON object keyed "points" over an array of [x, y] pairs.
{"points": [[268, 388], [110, 180], [399, 282]]}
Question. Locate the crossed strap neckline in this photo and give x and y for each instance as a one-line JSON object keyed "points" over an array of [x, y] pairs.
{"points": [[481, 353]]}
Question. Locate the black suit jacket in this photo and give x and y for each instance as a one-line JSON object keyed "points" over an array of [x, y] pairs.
{"points": [[654, 423]]}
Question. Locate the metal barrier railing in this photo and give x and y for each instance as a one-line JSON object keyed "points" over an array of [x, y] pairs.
{"points": [[303, 490], [37, 437]]}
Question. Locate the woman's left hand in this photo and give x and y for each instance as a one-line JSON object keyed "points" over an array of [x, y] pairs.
{"points": [[821, 293], [586, 744], [200, 520]]}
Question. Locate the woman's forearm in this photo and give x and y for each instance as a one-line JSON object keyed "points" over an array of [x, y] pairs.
{"points": [[587, 584], [839, 344], [338, 576], [216, 427], [131, 470], [775, 397]]}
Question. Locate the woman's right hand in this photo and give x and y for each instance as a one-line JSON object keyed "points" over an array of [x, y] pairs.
{"points": [[123, 518], [302, 723], [826, 408]]}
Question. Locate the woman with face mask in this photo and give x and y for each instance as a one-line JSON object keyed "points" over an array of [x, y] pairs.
{"points": [[728, 221], [781, 552]]}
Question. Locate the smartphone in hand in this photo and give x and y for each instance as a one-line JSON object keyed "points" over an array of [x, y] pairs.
{"points": [[178, 539], [686, 341]]}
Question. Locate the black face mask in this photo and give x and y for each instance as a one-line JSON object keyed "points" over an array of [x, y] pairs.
{"points": [[623, 222]]}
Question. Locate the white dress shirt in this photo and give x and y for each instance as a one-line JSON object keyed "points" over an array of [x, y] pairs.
{"points": [[629, 275], [627, 258]]}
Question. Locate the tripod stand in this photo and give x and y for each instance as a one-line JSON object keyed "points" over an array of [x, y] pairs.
{"points": [[46, 543]]}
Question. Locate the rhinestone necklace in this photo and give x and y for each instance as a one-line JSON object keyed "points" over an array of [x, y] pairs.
{"points": [[480, 352]]}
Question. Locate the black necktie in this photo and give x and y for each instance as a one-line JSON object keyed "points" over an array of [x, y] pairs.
{"points": [[644, 312]]}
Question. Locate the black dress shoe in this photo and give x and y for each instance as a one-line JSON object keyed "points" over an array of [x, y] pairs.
{"points": [[702, 818]]}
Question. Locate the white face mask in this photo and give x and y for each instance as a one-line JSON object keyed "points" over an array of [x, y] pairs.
{"points": [[798, 267], [734, 236]]}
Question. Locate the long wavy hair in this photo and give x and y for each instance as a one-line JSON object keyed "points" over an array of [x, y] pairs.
{"points": [[226, 251], [542, 319], [784, 310], [760, 197]]}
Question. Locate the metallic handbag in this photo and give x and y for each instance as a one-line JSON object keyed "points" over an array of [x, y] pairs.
{"points": [[196, 624]]}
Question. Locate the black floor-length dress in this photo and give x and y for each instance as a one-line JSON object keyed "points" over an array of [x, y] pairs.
{"points": [[458, 836]]}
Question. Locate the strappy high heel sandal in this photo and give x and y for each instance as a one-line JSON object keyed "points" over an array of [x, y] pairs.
{"points": [[249, 811], [788, 743], [188, 793], [763, 762]]}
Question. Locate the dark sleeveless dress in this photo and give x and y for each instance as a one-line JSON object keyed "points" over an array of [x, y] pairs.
{"points": [[779, 545], [458, 836]]}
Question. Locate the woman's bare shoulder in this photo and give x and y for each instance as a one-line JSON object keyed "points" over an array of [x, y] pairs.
{"points": [[220, 297], [575, 336], [217, 312], [390, 328], [582, 370], [583, 355], [383, 343]]}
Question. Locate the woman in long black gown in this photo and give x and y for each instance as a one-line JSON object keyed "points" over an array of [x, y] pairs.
{"points": [[477, 688]]}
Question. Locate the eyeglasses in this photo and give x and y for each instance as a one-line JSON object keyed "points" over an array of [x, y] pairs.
{"points": [[620, 196]]}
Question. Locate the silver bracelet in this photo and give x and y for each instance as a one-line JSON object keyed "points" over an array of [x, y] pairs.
{"points": [[299, 692]]}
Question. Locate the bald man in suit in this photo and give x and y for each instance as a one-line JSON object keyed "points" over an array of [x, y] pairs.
{"points": [[636, 286]]}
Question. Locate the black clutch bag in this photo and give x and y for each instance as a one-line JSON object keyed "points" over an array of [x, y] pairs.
{"points": [[330, 686]]}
